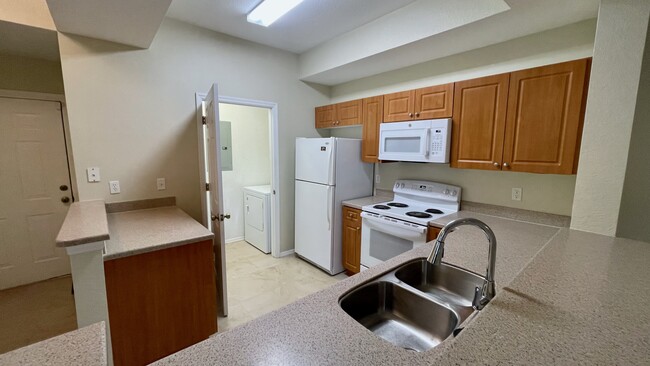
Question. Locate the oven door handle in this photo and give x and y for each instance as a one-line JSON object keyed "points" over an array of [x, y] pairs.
{"points": [[382, 225]]}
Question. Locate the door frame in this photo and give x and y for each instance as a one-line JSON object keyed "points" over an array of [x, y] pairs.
{"points": [[275, 162], [50, 97]]}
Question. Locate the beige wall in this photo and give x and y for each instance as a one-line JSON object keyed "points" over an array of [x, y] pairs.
{"points": [[132, 112], [611, 104], [635, 203], [34, 13], [30, 74], [251, 161], [546, 193]]}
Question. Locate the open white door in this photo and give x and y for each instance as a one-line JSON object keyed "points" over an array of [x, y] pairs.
{"points": [[216, 195]]}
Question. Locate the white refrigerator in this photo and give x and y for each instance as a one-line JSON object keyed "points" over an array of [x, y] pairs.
{"points": [[328, 171]]}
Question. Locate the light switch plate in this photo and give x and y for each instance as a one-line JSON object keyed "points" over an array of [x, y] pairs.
{"points": [[93, 174], [114, 186], [160, 184]]}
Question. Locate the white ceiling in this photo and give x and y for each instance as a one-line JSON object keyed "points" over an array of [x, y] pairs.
{"points": [[26, 41], [307, 25]]}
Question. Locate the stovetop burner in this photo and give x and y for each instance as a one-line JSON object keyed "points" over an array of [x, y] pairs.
{"points": [[398, 204], [381, 207], [433, 211], [419, 215]]}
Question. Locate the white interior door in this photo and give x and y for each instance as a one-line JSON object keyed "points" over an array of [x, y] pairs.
{"points": [[33, 173], [216, 195]]}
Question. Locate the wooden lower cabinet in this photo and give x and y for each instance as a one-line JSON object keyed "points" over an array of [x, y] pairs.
{"points": [[160, 302], [432, 232], [351, 240]]}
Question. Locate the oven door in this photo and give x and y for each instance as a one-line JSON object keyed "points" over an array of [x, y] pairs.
{"points": [[403, 144], [383, 238]]}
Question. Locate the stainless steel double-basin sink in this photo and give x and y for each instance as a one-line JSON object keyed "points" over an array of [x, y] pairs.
{"points": [[415, 306]]}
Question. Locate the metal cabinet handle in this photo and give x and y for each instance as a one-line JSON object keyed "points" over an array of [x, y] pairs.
{"points": [[411, 115], [506, 165], [65, 199], [417, 114], [496, 165]]}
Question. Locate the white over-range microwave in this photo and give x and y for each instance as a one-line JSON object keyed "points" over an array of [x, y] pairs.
{"points": [[420, 141]]}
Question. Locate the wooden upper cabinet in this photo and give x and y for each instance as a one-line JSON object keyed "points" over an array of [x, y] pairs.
{"points": [[399, 106], [425, 103], [337, 115], [373, 109], [479, 122], [349, 113], [325, 116], [544, 118], [434, 102]]}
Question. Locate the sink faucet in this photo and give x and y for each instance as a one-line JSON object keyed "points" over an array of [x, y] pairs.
{"points": [[481, 295]]}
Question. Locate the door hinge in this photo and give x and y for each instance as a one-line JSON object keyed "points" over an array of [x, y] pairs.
{"points": [[207, 186], [203, 120]]}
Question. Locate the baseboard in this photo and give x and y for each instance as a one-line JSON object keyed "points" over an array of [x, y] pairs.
{"points": [[286, 253], [233, 240]]}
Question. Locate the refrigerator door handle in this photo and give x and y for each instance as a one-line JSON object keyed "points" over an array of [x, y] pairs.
{"points": [[329, 208]]}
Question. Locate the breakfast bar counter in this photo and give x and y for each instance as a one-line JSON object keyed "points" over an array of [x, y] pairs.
{"points": [[563, 297]]}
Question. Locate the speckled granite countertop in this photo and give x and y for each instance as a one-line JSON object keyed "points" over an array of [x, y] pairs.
{"points": [[364, 201], [563, 297], [141, 231], [84, 223], [85, 346]]}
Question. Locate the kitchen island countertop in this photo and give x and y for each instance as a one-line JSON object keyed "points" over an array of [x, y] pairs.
{"points": [[563, 296]]}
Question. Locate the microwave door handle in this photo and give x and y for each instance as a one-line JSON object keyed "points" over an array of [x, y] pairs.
{"points": [[428, 142]]}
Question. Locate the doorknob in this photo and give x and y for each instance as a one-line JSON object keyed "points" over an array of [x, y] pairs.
{"points": [[222, 216], [63, 187], [213, 217], [65, 199]]}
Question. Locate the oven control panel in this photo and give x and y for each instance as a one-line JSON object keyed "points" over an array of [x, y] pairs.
{"points": [[427, 189]]}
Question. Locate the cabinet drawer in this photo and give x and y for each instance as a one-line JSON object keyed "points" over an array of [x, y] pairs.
{"points": [[351, 214]]}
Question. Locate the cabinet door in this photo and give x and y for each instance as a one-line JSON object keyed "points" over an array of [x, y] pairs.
{"points": [[434, 101], [349, 113], [478, 124], [351, 239], [372, 113], [432, 233], [325, 116], [399, 106], [544, 118]]}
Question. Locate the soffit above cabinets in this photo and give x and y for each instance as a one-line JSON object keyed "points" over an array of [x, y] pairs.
{"points": [[129, 22]]}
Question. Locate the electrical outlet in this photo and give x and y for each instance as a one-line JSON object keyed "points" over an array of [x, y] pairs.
{"points": [[516, 194], [93, 174], [377, 179], [114, 186], [160, 184]]}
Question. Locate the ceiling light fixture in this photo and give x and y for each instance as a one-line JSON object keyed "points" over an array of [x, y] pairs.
{"points": [[268, 11]]}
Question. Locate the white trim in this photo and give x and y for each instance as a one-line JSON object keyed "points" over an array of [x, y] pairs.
{"points": [[85, 248], [234, 240], [287, 253]]}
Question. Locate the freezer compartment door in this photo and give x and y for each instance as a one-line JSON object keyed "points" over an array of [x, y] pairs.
{"points": [[315, 160], [314, 223]]}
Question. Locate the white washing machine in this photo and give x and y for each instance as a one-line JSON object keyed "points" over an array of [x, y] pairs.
{"points": [[257, 217]]}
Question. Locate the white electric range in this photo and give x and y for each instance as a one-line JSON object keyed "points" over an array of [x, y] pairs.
{"points": [[393, 227]]}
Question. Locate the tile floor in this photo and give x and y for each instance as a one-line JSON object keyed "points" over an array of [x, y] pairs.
{"points": [[35, 312], [259, 283]]}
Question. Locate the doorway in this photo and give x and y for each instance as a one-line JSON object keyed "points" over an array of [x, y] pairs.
{"points": [[36, 188]]}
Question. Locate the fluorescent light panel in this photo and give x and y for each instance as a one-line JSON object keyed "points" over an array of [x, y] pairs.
{"points": [[268, 11]]}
